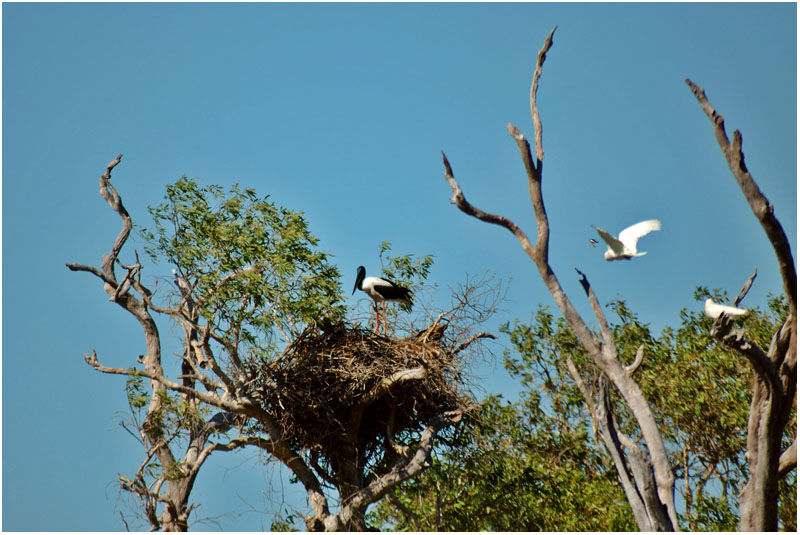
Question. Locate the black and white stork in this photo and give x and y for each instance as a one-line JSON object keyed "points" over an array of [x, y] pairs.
{"points": [[380, 289]]}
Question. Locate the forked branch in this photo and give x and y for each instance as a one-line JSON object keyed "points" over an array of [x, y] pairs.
{"points": [[109, 193], [461, 202], [603, 354]]}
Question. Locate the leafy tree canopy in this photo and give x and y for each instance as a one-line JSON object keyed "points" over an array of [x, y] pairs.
{"points": [[536, 464], [254, 266]]}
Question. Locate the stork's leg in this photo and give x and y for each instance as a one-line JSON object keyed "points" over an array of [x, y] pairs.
{"points": [[377, 324], [384, 317]]}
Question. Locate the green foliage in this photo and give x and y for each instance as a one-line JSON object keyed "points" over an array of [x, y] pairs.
{"points": [[787, 506], [284, 521], [510, 469], [175, 471], [536, 465], [406, 270], [138, 396], [539, 362], [699, 391], [712, 513], [253, 266]]}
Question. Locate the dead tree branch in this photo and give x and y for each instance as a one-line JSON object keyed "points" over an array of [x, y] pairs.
{"points": [[637, 361], [176, 509], [472, 339], [775, 381], [603, 354], [206, 397], [759, 204], [745, 288], [537, 122]]}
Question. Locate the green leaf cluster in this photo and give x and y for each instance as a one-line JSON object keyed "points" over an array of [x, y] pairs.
{"points": [[254, 267], [408, 271], [138, 395]]}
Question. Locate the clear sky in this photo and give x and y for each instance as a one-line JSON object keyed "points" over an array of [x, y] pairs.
{"points": [[342, 111]]}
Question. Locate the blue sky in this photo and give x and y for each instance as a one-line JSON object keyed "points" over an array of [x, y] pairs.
{"points": [[342, 111]]}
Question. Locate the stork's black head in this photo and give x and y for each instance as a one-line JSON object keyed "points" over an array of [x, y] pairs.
{"points": [[360, 274]]}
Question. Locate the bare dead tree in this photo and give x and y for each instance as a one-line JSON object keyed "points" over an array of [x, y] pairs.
{"points": [[251, 399], [179, 472], [647, 477], [775, 370]]}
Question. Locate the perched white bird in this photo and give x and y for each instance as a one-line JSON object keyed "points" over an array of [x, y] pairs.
{"points": [[380, 289], [624, 246], [715, 310]]}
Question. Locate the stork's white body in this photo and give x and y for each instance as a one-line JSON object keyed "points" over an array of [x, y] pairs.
{"points": [[623, 247], [381, 289]]}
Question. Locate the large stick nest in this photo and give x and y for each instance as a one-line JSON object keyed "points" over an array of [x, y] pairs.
{"points": [[343, 386]]}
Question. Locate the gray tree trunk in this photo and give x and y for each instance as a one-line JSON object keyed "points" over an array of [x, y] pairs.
{"points": [[775, 381]]}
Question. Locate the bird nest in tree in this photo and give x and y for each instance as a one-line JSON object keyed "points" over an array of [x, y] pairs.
{"points": [[343, 387]]}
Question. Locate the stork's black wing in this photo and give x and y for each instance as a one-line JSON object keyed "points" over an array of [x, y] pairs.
{"points": [[392, 292]]}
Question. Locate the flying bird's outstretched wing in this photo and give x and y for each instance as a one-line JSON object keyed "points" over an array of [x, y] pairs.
{"points": [[631, 235], [614, 245]]}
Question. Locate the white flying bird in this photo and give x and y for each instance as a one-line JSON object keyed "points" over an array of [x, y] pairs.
{"points": [[624, 246], [714, 310]]}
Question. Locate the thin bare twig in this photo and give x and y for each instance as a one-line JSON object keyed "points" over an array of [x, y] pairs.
{"points": [[412, 518], [472, 339], [745, 288], [537, 122], [207, 397]]}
